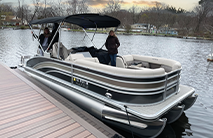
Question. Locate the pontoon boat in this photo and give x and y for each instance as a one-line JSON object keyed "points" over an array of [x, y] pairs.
{"points": [[141, 94]]}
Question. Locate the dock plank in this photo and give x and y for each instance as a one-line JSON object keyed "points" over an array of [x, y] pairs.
{"points": [[83, 134], [26, 111], [63, 130], [35, 127], [23, 109], [73, 132], [18, 126], [16, 122], [25, 114], [52, 128], [5, 110]]}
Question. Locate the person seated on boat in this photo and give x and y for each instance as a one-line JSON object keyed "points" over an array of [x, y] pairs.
{"points": [[46, 38], [112, 44]]}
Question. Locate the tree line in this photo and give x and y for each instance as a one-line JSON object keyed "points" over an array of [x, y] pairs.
{"points": [[199, 21]]}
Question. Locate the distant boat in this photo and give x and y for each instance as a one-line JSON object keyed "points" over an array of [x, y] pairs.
{"points": [[210, 56], [65, 29], [189, 37]]}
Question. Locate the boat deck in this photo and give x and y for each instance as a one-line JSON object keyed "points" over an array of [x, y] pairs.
{"points": [[27, 111], [154, 111]]}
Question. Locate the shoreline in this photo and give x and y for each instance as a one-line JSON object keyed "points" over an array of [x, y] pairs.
{"points": [[146, 34], [119, 33]]}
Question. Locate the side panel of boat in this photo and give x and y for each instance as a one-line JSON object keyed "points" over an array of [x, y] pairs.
{"points": [[82, 101], [141, 127], [145, 128], [123, 89]]}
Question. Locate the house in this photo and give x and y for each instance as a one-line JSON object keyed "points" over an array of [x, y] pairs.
{"points": [[3, 17], [168, 30], [12, 20], [143, 27]]}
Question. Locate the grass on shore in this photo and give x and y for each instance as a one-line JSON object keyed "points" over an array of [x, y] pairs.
{"points": [[104, 31]]}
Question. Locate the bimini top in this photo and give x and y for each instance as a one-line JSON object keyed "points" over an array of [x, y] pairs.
{"points": [[82, 20]]}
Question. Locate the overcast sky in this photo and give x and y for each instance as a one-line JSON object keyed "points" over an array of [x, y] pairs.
{"points": [[185, 4]]}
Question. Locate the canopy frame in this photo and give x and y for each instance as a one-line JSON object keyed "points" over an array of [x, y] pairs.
{"points": [[79, 20]]}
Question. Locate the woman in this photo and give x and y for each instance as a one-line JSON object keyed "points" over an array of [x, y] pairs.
{"points": [[112, 44], [45, 39]]}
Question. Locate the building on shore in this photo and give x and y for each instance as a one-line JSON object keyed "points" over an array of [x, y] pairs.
{"points": [[12, 20], [143, 27], [168, 30]]}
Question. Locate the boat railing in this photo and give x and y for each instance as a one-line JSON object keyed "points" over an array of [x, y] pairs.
{"points": [[159, 88]]}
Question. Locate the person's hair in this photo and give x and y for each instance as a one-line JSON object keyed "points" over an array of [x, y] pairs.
{"points": [[113, 32], [47, 30]]}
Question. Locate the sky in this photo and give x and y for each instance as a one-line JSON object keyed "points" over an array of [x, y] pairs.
{"points": [[185, 4]]}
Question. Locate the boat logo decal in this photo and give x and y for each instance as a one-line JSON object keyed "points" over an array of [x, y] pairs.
{"points": [[81, 83]]}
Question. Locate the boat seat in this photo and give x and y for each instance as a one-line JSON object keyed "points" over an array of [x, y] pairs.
{"points": [[128, 62], [63, 51], [137, 62], [142, 72], [75, 57], [92, 59], [135, 66], [155, 62]]}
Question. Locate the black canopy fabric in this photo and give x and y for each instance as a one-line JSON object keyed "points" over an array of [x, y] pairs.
{"points": [[83, 20], [48, 20]]}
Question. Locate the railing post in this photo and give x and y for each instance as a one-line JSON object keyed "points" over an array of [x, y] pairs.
{"points": [[71, 74], [178, 82], [165, 89]]}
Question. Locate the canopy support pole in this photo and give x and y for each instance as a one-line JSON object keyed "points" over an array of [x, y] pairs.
{"points": [[40, 30], [84, 36], [89, 37], [59, 42], [95, 31], [59, 27], [37, 38]]}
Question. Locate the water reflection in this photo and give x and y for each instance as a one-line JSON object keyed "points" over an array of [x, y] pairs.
{"points": [[178, 129]]}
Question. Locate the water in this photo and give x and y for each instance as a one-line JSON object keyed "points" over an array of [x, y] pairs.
{"points": [[197, 122]]}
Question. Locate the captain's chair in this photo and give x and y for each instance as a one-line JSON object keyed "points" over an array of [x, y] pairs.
{"points": [[63, 53]]}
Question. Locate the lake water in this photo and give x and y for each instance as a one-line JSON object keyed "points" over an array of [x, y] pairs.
{"points": [[197, 122]]}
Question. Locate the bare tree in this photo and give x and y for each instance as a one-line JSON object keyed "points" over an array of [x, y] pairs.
{"points": [[83, 7], [76, 7], [208, 25], [112, 7], [55, 8], [185, 23], [135, 14], [19, 11], [202, 12], [6, 10], [157, 15]]}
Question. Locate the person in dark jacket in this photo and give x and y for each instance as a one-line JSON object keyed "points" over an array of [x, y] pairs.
{"points": [[46, 38], [112, 44]]}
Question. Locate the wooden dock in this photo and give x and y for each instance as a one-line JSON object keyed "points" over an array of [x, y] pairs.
{"points": [[27, 111]]}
